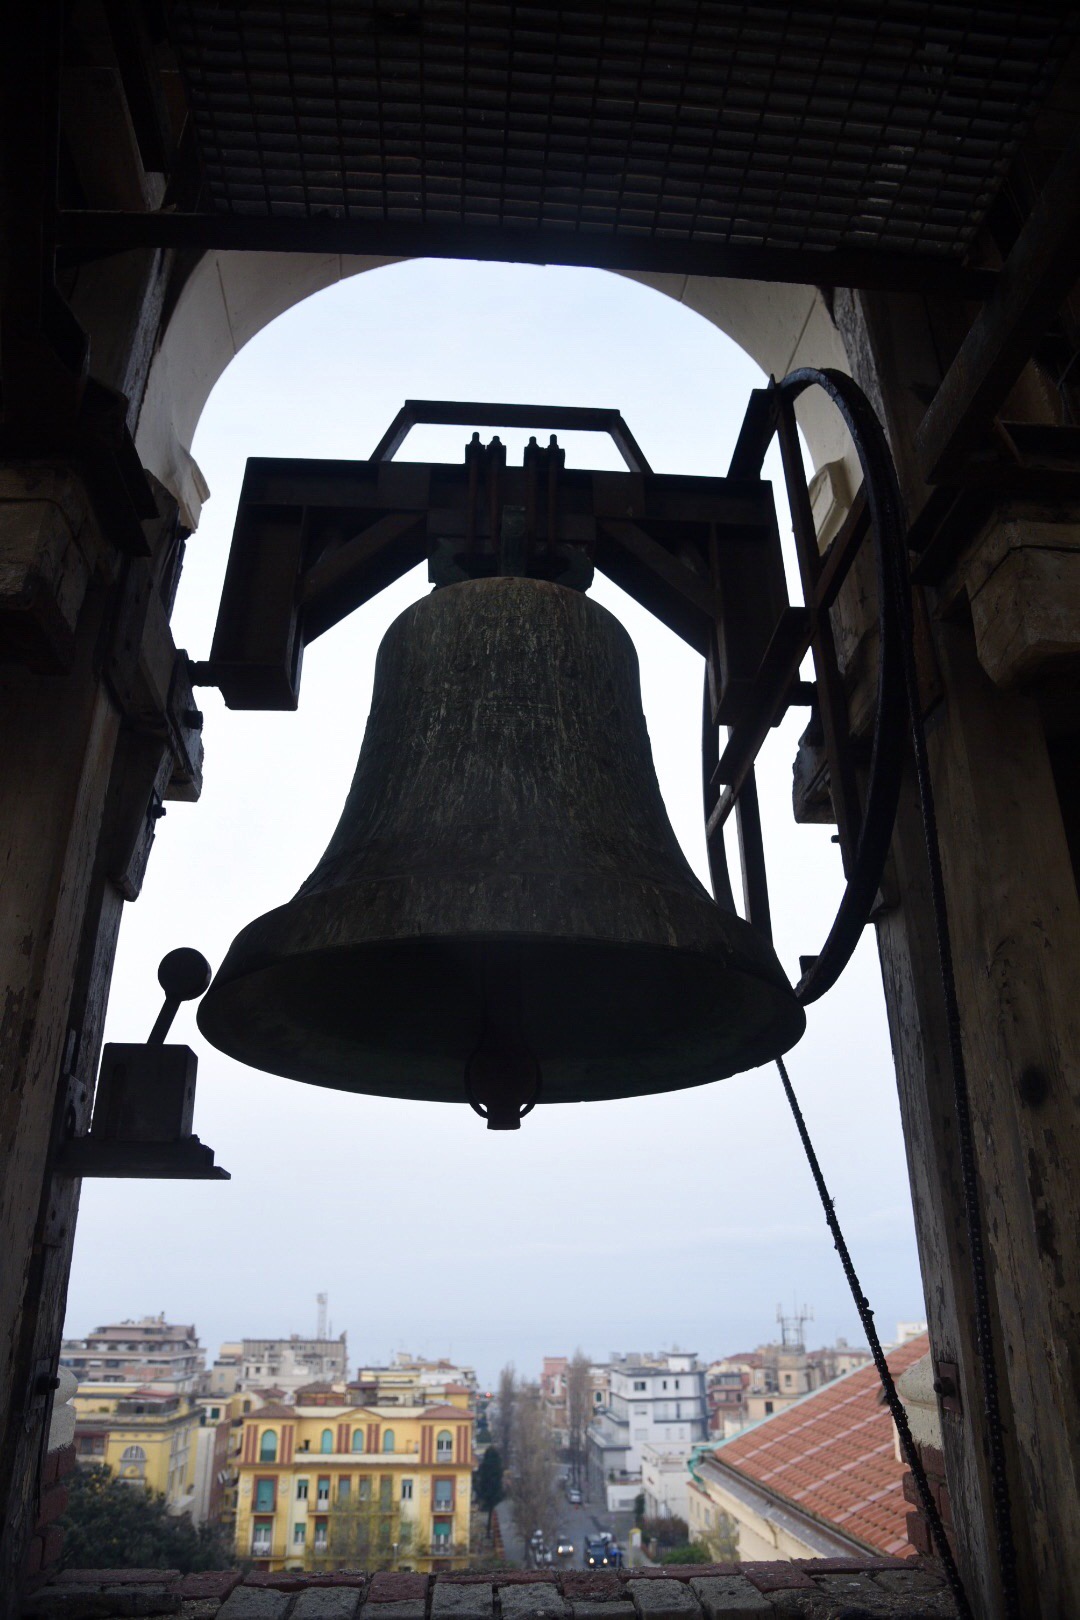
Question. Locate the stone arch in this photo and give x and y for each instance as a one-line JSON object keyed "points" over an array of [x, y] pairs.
{"points": [[230, 297]]}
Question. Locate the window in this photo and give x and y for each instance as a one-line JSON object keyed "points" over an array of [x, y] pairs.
{"points": [[299, 1534], [444, 1445], [676, 1383], [301, 1490], [664, 1384], [268, 1446], [265, 1495], [320, 1535], [344, 1489], [768, 1408], [441, 1530], [406, 1490], [327, 1442], [262, 1535], [388, 1440], [132, 1462], [322, 1492], [386, 1491], [358, 1440], [442, 1496], [364, 1488], [639, 1383], [215, 1412]]}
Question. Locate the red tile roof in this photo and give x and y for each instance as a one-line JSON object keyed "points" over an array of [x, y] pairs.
{"points": [[832, 1454]]}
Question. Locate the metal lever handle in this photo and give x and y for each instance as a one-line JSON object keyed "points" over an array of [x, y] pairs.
{"points": [[183, 975]]}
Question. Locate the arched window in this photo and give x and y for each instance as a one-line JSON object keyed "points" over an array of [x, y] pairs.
{"points": [[132, 1463], [268, 1446], [358, 1440], [327, 1441], [444, 1445], [388, 1440]]}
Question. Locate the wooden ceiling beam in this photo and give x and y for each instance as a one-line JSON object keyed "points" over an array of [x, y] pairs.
{"points": [[87, 234], [1042, 267]]}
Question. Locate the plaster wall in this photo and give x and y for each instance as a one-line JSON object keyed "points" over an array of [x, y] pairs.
{"points": [[229, 297]]}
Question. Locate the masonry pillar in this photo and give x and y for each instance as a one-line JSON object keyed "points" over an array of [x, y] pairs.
{"points": [[89, 745], [1015, 921]]}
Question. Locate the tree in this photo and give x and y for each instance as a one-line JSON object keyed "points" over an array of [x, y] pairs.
{"points": [[504, 1414], [113, 1525], [578, 1410], [488, 1483], [721, 1537], [366, 1532], [694, 1552], [532, 1478], [666, 1532]]}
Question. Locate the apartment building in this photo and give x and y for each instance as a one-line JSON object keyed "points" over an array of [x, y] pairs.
{"points": [[146, 1437], [330, 1483], [288, 1364], [647, 1405], [141, 1352]]}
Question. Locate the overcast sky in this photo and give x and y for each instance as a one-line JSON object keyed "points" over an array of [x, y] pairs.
{"points": [[683, 1219]]}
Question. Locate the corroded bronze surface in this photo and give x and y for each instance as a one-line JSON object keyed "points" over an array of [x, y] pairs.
{"points": [[504, 805]]}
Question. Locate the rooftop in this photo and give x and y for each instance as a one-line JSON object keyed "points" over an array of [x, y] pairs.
{"points": [[832, 1454]]}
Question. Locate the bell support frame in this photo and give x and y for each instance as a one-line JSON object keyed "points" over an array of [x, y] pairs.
{"points": [[313, 540], [864, 823]]}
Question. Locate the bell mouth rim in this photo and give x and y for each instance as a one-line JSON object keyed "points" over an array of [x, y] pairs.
{"points": [[742, 1018]]}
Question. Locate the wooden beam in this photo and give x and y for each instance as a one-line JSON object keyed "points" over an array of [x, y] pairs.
{"points": [[97, 233], [1035, 278]]}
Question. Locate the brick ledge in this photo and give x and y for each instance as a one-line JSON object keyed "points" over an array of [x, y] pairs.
{"points": [[892, 1588]]}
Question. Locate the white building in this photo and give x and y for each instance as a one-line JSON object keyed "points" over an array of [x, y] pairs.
{"points": [[288, 1364], [665, 1480], [648, 1405]]}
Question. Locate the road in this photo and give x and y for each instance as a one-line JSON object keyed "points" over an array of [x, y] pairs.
{"points": [[578, 1522]]}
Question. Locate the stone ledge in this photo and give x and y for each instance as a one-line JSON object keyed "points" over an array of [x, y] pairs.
{"points": [[892, 1588]]}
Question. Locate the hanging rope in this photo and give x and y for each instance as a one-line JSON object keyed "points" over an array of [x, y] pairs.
{"points": [[897, 619], [866, 1317]]}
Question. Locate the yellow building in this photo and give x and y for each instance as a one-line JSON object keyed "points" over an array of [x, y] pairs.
{"points": [[145, 1437], [329, 1484]]}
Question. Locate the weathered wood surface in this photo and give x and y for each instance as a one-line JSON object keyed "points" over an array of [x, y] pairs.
{"points": [[1039, 272], [57, 740], [1015, 923]]}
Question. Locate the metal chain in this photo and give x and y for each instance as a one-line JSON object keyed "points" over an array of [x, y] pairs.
{"points": [[866, 1317]]}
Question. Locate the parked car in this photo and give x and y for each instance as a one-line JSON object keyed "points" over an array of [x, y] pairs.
{"points": [[596, 1553], [573, 1496], [563, 1545]]}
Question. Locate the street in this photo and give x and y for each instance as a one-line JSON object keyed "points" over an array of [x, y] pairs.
{"points": [[590, 1519]]}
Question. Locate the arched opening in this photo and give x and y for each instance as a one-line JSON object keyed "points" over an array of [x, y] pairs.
{"points": [[268, 1446], [358, 1440], [388, 1440], [444, 1445], [229, 298], [326, 1443], [294, 1122]]}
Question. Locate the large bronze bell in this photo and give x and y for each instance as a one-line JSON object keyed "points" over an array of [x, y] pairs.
{"points": [[504, 914]]}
